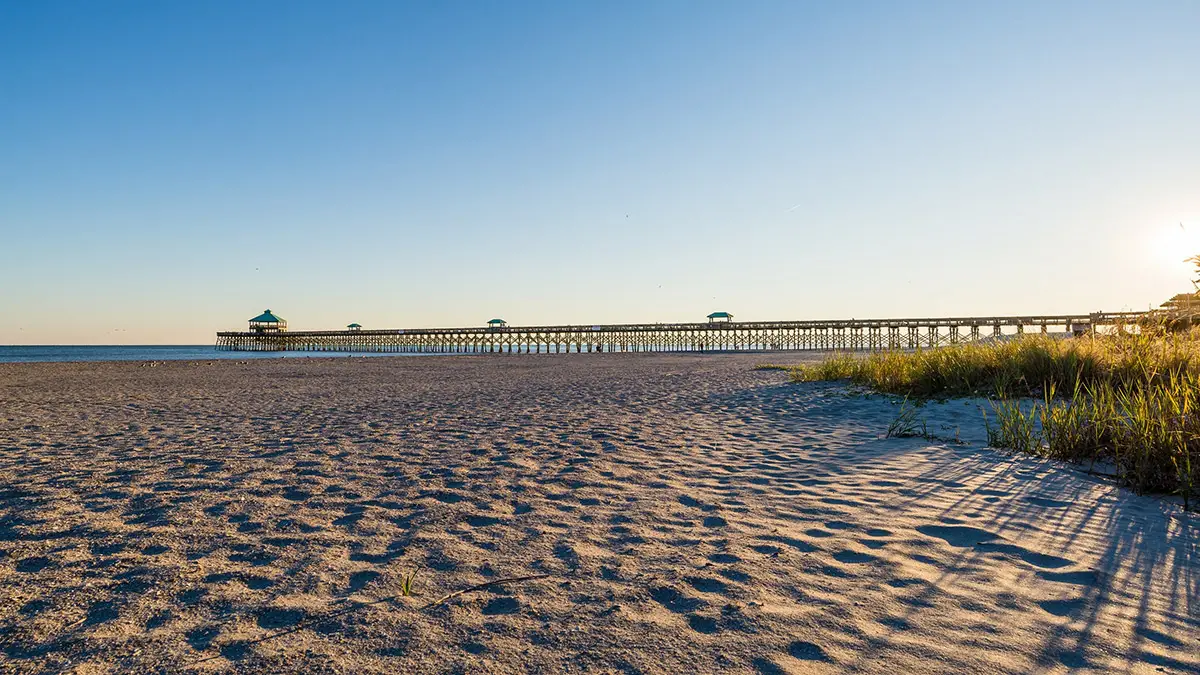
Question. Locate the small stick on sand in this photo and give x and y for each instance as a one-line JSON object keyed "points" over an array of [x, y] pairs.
{"points": [[480, 587]]}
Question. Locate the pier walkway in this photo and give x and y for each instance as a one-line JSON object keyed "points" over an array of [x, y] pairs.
{"points": [[846, 334]]}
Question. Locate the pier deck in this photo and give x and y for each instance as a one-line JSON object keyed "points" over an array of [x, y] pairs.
{"points": [[845, 334]]}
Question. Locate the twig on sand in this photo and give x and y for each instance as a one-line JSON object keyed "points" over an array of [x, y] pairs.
{"points": [[480, 587], [341, 612]]}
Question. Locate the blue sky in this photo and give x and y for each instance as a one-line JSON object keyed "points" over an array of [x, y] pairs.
{"points": [[170, 169]]}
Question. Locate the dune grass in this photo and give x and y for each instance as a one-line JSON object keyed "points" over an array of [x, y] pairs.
{"points": [[1130, 400]]}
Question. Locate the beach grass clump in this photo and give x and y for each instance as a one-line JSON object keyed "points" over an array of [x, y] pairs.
{"points": [[908, 423], [1015, 429], [407, 583], [1018, 367], [1150, 434], [1131, 401]]}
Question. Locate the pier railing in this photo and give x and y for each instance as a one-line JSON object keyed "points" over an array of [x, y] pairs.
{"points": [[843, 334]]}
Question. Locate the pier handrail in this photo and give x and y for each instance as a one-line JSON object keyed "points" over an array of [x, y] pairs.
{"points": [[1097, 318]]}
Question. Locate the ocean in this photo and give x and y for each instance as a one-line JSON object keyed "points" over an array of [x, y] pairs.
{"points": [[54, 353]]}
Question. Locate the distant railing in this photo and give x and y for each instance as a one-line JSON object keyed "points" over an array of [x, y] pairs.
{"points": [[839, 334]]}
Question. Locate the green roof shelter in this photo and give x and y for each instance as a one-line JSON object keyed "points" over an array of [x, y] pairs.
{"points": [[720, 316], [354, 326], [267, 322], [497, 323]]}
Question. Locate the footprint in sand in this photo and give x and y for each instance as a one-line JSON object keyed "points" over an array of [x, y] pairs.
{"points": [[201, 638], [1160, 638], [807, 651], [33, 565], [764, 667], [482, 521], [673, 600], [502, 605], [853, 557], [274, 618], [251, 581], [1048, 503], [798, 544], [695, 503], [1034, 558], [836, 572], [158, 620], [34, 607], [895, 622], [360, 580], [982, 540], [101, 612], [1062, 607], [1073, 659], [873, 543], [566, 553], [735, 575], [705, 585], [961, 537]]}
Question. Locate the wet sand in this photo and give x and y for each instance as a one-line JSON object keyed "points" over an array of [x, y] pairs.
{"points": [[693, 516]]}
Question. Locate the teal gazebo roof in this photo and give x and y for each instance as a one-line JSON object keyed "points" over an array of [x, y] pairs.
{"points": [[354, 325], [266, 317], [497, 322], [720, 315]]}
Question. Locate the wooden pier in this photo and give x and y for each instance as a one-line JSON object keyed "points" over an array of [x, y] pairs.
{"points": [[849, 335]]}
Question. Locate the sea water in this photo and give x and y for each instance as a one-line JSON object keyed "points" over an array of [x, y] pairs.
{"points": [[60, 353]]}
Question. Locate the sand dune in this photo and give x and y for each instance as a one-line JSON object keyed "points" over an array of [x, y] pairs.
{"points": [[694, 515]]}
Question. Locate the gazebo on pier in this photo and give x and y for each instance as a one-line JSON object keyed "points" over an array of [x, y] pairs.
{"points": [[267, 323], [724, 317], [354, 326], [497, 323]]}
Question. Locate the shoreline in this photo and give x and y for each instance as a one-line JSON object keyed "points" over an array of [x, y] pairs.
{"points": [[193, 354]]}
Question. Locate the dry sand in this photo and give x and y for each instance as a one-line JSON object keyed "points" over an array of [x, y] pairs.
{"points": [[695, 516]]}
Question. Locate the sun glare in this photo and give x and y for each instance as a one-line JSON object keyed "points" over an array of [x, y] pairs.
{"points": [[1173, 247]]}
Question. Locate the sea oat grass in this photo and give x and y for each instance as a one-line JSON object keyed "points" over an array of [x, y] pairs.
{"points": [[908, 423], [1129, 400]]}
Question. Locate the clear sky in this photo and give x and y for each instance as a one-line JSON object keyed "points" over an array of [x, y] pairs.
{"points": [[170, 169]]}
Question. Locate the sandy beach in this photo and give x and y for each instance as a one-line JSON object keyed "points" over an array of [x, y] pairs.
{"points": [[693, 515]]}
